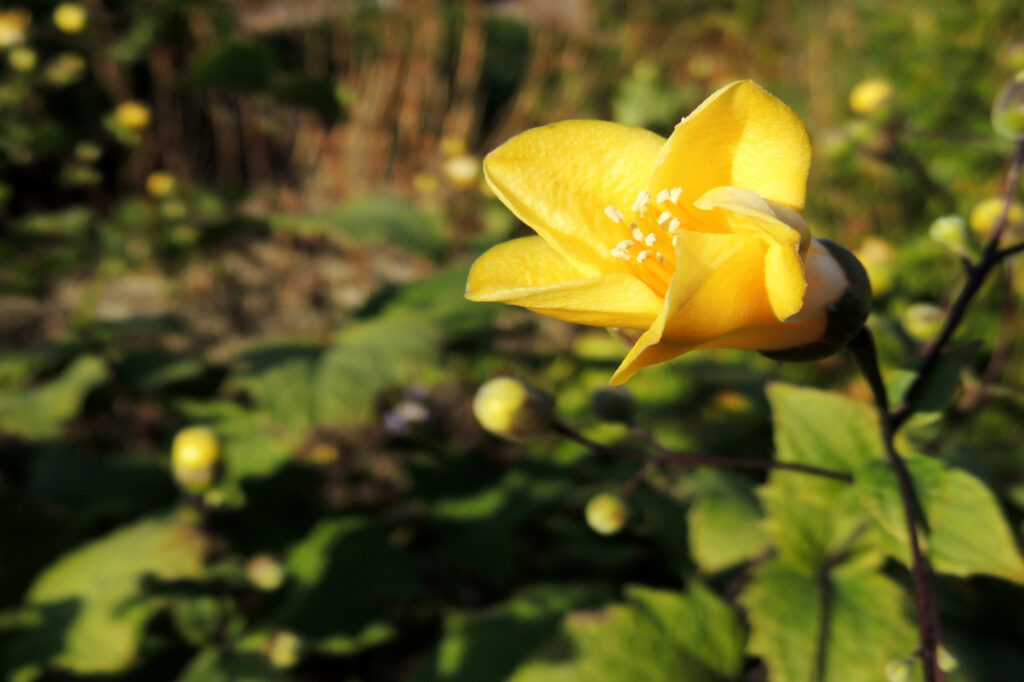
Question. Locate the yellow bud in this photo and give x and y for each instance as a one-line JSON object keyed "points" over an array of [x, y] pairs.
{"points": [[88, 151], [879, 259], [22, 59], [923, 321], [870, 96], [265, 572], [1008, 109], [70, 17], [899, 670], [284, 649], [64, 69], [606, 513], [511, 409], [194, 456], [322, 454], [173, 209], [132, 115], [462, 171], [160, 183], [950, 231], [426, 183], [986, 212], [947, 661], [14, 24]]}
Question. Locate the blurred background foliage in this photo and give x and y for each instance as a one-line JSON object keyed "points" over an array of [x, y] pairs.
{"points": [[258, 216]]}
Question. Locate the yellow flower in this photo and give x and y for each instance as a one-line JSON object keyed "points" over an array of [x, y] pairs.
{"points": [[694, 242], [132, 115], [13, 25], [870, 96], [70, 17], [160, 183]]}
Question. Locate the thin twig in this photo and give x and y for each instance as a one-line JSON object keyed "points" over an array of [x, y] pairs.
{"points": [[669, 458], [863, 349], [976, 276]]}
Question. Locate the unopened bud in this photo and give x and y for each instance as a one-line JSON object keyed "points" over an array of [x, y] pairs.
{"points": [[947, 661], [606, 513], [613, 404], [160, 183], [284, 649], [949, 231], [132, 115], [922, 321], [265, 572], [22, 59], [871, 96], [986, 213], [195, 453], [899, 670], [511, 409], [1008, 109], [70, 17], [879, 260]]}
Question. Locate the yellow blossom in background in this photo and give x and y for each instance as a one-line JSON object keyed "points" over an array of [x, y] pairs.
{"points": [[462, 171], [923, 321], [132, 115], [65, 68], [986, 213], [70, 17], [606, 513], [691, 242], [426, 183], [22, 59], [160, 183], [14, 24], [879, 259], [870, 95]]}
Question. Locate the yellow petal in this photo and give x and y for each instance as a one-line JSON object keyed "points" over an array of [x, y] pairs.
{"points": [[742, 136], [528, 272], [747, 212], [559, 178]]}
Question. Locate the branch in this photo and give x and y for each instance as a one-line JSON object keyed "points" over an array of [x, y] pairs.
{"points": [[976, 275], [669, 457], [863, 349]]}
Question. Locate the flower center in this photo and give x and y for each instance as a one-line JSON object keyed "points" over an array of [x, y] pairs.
{"points": [[651, 227]]}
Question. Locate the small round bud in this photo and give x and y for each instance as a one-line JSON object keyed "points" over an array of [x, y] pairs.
{"points": [[947, 661], [88, 151], [1008, 109], [195, 453], [132, 115], [284, 649], [949, 231], [606, 513], [65, 69], [986, 214], [462, 171], [922, 321], [870, 96], [13, 25], [22, 59], [70, 17], [511, 409], [322, 454], [426, 183], [160, 183], [265, 572], [879, 260], [613, 404], [899, 670]]}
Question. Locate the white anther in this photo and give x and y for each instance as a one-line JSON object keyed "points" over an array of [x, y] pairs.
{"points": [[650, 239], [674, 225], [625, 244], [664, 218], [620, 254], [663, 196], [643, 255], [638, 234], [674, 194], [658, 257], [674, 238], [614, 214], [640, 205]]}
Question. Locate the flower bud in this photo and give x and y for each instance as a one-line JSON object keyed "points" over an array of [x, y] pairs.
{"points": [[613, 404], [606, 513], [13, 25], [511, 409], [160, 183], [870, 96], [70, 17], [922, 321], [195, 453], [1008, 109], [845, 292], [986, 214], [949, 231], [899, 670], [947, 661], [65, 69], [284, 649], [462, 171], [22, 59], [132, 115], [879, 260], [265, 572]]}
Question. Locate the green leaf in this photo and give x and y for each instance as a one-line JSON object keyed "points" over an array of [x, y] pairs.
{"points": [[488, 644], [940, 385], [656, 635], [216, 665], [724, 525], [808, 516], [235, 66], [92, 600], [40, 412], [310, 92], [442, 300], [867, 625], [969, 534]]}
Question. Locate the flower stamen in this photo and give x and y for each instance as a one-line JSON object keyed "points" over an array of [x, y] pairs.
{"points": [[614, 214]]}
